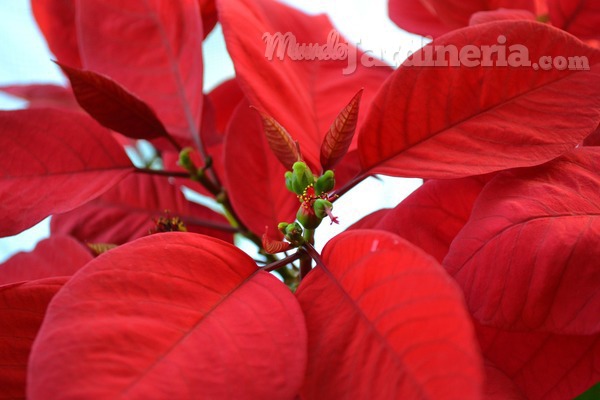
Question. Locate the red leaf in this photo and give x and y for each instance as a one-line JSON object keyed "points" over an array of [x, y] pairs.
{"points": [[456, 14], [272, 246], [386, 322], [42, 96], [57, 256], [536, 231], [482, 17], [22, 308], [52, 161], [56, 19], [174, 315], [225, 98], [210, 17], [126, 212], [498, 386], [416, 16], [593, 139], [578, 17], [431, 216], [113, 106], [339, 136], [255, 178], [482, 119], [304, 96], [152, 48], [542, 365], [279, 140]]}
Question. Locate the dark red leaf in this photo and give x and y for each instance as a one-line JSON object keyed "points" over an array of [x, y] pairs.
{"points": [[225, 98], [304, 96], [152, 48], [578, 17], [279, 140], [126, 212], [498, 386], [482, 119], [43, 95], [593, 139], [255, 178], [273, 246], [52, 161], [60, 255], [385, 322], [339, 136], [482, 17], [113, 106], [210, 17], [56, 19], [536, 232], [542, 365], [22, 309], [173, 315]]}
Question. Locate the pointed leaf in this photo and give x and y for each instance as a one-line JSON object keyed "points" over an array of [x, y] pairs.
{"points": [[52, 161], [152, 48], [535, 231], [385, 322], [482, 119], [113, 106], [281, 143], [127, 212], [255, 178], [339, 136], [22, 309], [43, 95], [58, 255], [174, 315]]}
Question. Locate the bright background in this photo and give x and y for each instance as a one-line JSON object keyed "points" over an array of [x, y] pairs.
{"points": [[26, 59]]}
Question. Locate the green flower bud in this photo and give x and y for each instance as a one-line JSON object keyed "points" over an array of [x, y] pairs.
{"points": [[282, 226], [325, 183], [307, 217], [186, 162], [322, 209], [302, 177], [289, 178], [293, 233]]}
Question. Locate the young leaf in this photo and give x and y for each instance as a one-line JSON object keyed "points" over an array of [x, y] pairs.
{"points": [[52, 161], [152, 48], [22, 309], [174, 315], [385, 322], [473, 122], [535, 231], [281, 143], [113, 106], [339, 136], [59, 255]]}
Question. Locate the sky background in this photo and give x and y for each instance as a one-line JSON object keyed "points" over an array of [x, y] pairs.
{"points": [[26, 59]]}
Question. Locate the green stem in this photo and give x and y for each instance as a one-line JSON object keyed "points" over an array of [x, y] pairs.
{"points": [[305, 260]]}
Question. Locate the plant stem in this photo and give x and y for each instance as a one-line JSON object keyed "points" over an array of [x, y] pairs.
{"points": [[305, 260], [158, 172]]}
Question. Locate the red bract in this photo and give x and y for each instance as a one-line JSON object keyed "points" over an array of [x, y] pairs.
{"points": [[178, 314], [472, 121], [51, 162], [42, 96]]}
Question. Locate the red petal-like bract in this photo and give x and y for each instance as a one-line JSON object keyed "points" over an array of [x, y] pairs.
{"points": [[528, 257], [339, 136], [113, 106], [578, 17], [52, 161], [542, 365], [43, 95], [305, 95], [58, 255], [56, 20], [173, 316], [386, 322], [151, 47], [255, 178], [432, 215], [279, 140], [415, 17], [473, 120], [22, 309], [502, 14], [126, 212]]}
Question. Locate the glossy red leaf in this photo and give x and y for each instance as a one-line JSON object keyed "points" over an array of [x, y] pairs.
{"points": [[535, 231], [501, 14], [304, 96], [43, 95], [175, 315], [432, 215], [22, 309], [127, 212], [113, 106], [279, 140], [56, 20], [542, 365], [52, 161], [152, 48], [482, 119], [255, 178], [385, 322], [339, 136], [59, 255], [578, 17]]}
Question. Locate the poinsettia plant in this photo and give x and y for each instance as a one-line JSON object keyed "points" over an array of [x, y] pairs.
{"points": [[484, 283]]}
